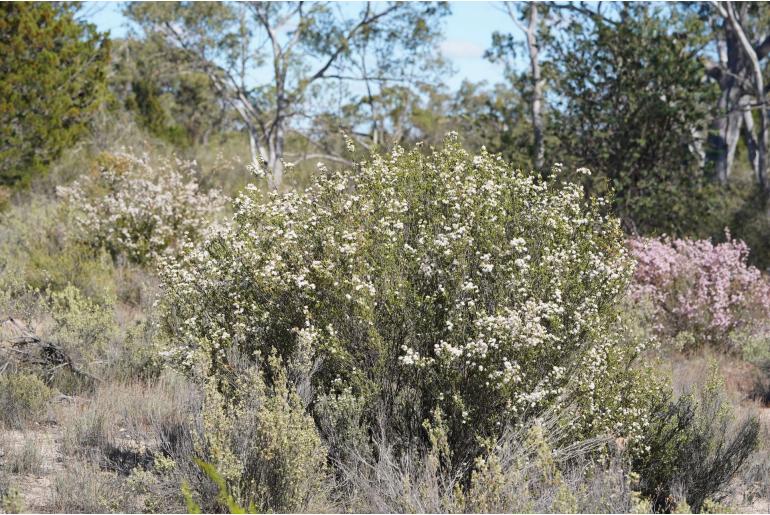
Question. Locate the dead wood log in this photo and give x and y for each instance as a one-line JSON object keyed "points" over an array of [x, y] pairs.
{"points": [[31, 349]]}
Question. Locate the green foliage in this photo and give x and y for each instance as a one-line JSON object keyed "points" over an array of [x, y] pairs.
{"points": [[172, 101], [224, 498], [23, 398], [263, 445], [152, 116], [11, 501], [84, 327], [52, 77], [493, 117], [37, 252], [630, 95], [139, 355], [750, 220], [694, 445]]}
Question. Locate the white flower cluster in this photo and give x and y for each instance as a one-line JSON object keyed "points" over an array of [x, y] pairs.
{"points": [[135, 209], [490, 288]]}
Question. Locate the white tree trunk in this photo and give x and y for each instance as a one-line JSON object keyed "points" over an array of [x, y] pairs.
{"points": [[275, 159], [751, 141], [253, 145], [724, 134], [727, 11], [538, 84]]}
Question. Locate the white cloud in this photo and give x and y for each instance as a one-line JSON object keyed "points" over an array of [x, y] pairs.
{"points": [[459, 49]]}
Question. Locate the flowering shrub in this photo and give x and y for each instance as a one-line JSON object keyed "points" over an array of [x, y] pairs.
{"points": [[134, 209], [696, 288], [418, 282]]}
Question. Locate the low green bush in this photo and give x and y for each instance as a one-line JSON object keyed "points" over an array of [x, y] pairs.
{"points": [[264, 444], [23, 398], [84, 325], [695, 447], [37, 252]]}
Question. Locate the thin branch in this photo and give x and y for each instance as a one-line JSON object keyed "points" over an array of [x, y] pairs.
{"points": [[341, 48], [512, 15], [327, 157], [763, 48], [580, 8]]}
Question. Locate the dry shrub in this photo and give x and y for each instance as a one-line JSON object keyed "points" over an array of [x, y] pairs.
{"points": [[753, 481], [521, 473], [138, 435]]}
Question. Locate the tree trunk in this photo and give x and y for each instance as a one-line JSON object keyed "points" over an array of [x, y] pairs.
{"points": [[253, 144], [724, 131], [751, 141], [275, 155], [724, 134], [759, 89], [697, 147], [762, 151], [538, 85]]}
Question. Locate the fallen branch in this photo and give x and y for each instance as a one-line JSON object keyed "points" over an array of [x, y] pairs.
{"points": [[46, 354]]}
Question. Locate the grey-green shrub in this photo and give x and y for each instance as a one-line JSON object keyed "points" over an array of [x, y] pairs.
{"points": [[695, 445], [264, 444], [23, 398], [37, 252]]}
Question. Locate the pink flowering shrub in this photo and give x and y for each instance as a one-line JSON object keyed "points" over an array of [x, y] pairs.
{"points": [[708, 291], [137, 209]]}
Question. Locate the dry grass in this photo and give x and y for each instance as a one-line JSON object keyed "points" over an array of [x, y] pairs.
{"points": [[125, 423], [24, 458], [122, 439], [84, 488]]}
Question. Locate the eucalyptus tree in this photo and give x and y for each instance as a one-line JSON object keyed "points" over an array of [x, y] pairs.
{"points": [[530, 18], [741, 33], [277, 63], [170, 98]]}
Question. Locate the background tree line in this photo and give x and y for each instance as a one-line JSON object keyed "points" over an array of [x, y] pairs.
{"points": [[665, 103]]}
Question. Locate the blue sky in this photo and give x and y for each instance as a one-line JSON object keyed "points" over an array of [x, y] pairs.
{"points": [[468, 32]]}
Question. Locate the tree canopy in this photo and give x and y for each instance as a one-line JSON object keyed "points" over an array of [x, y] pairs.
{"points": [[52, 76]]}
